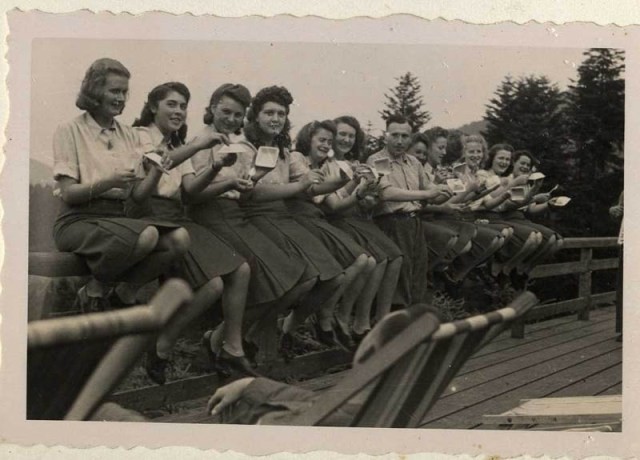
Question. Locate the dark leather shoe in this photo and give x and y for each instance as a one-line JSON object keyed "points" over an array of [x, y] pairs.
{"points": [[226, 362], [344, 338], [156, 367]]}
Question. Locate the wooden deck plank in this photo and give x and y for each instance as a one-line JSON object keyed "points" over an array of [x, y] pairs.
{"points": [[465, 381], [466, 410], [544, 329], [523, 349], [593, 385], [612, 390]]}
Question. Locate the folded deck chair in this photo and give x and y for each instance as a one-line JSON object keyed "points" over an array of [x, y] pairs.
{"points": [[73, 363], [405, 377]]}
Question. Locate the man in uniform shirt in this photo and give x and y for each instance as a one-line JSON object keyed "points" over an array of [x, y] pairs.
{"points": [[402, 191]]}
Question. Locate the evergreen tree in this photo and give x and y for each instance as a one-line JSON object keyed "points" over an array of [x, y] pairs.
{"points": [[529, 114], [597, 112], [405, 99]]}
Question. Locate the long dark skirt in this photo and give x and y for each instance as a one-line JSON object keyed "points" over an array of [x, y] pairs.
{"points": [[521, 231], [208, 256], [273, 272], [407, 232], [102, 235], [339, 243], [369, 236], [275, 222]]}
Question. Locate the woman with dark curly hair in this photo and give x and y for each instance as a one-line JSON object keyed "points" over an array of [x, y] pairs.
{"points": [[268, 125], [349, 209], [313, 145], [276, 276], [95, 163], [211, 267]]}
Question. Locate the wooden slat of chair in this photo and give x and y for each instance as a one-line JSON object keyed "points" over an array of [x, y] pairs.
{"points": [[365, 373], [458, 349], [75, 362], [408, 376]]}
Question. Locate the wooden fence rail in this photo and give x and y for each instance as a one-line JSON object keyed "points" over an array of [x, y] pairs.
{"points": [[584, 268]]}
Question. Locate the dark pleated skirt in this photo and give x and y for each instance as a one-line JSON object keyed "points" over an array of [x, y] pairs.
{"points": [[102, 235], [275, 222], [273, 272], [466, 233], [338, 242], [208, 256], [369, 236]]}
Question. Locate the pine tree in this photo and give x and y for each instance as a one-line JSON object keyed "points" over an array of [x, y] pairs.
{"points": [[405, 99], [529, 114], [597, 111]]}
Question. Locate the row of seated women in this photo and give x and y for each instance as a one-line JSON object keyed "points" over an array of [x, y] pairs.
{"points": [[294, 239]]}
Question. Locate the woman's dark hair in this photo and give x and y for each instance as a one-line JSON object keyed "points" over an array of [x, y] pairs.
{"points": [[92, 88], [358, 148], [493, 151], [420, 137], [237, 92], [525, 153], [435, 133], [303, 139], [156, 95], [279, 95]]}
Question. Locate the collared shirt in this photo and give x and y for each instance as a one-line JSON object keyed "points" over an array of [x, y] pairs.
{"points": [[240, 169], [169, 185], [407, 173], [85, 151]]}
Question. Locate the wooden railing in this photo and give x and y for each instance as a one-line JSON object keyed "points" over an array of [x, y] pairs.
{"points": [[584, 268]]}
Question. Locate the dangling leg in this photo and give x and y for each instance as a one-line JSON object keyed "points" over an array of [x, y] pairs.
{"points": [[388, 288]]}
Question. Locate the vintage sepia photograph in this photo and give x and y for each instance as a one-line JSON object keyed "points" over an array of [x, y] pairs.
{"points": [[235, 230]]}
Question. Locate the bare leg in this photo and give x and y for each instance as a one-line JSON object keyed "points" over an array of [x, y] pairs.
{"points": [[312, 302], [351, 275], [362, 319], [353, 294], [547, 250], [203, 300], [388, 288], [463, 271], [234, 299], [528, 248]]}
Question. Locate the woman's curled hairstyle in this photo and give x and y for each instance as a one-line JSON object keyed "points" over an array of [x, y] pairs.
{"points": [[154, 97], [303, 139], [279, 95], [358, 148], [95, 79]]}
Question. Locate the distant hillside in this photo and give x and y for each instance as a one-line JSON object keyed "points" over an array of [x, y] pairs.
{"points": [[39, 172], [475, 127]]}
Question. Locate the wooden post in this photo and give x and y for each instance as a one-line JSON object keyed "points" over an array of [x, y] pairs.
{"points": [[584, 283]]}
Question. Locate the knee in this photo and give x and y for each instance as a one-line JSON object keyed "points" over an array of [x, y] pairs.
{"points": [[467, 248], [506, 232], [243, 271], [148, 239], [180, 241], [552, 240], [361, 262], [371, 264], [213, 288], [452, 241], [336, 282]]}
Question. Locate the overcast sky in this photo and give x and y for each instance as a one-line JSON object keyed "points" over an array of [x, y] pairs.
{"points": [[326, 80]]}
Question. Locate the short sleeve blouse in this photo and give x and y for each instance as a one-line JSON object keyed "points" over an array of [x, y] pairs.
{"points": [[87, 152], [241, 168], [169, 185]]}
